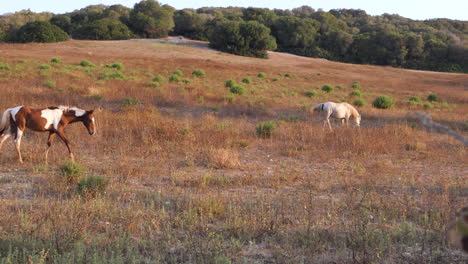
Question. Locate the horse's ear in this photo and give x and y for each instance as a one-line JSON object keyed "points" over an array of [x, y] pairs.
{"points": [[90, 111]]}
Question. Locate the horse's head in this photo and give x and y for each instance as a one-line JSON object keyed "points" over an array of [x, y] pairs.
{"points": [[358, 120], [88, 121]]}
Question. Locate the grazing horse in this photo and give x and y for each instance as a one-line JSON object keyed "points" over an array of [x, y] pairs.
{"points": [[341, 111], [53, 120]]}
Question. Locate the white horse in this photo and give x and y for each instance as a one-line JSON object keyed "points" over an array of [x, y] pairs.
{"points": [[341, 111]]}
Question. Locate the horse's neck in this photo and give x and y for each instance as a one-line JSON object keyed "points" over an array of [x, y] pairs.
{"points": [[70, 118]]}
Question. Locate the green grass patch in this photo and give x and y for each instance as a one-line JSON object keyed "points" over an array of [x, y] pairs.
{"points": [[265, 129], [128, 101], [327, 88], [198, 73], [383, 102], [87, 63]]}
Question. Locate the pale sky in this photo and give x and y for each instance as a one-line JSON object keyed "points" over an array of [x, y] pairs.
{"points": [[414, 9]]}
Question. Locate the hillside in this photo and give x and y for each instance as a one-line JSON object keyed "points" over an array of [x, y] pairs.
{"points": [[188, 179]]}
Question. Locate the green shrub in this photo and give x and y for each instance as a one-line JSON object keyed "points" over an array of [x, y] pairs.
{"points": [[414, 100], [276, 79], [229, 83], [198, 73], [356, 93], [327, 88], [92, 185], [72, 171], [287, 75], [237, 89], [117, 66], [356, 85], [96, 97], [428, 105], [50, 84], [186, 81], [246, 80], [44, 67], [339, 87], [86, 63], [4, 67], [265, 129], [310, 94], [155, 84], [130, 101], [261, 75], [158, 78], [111, 76], [55, 60], [215, 108], [432, 97], [178, 73], [174, 78], [359, 103], [230, 98], [383, 102]]}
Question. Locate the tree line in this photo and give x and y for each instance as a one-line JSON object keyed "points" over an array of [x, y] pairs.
{"points": [[346, 35]]}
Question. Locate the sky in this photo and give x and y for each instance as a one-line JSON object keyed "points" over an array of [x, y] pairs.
{"points": [[414, 9]]}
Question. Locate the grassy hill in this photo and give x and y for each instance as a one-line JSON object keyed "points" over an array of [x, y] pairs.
{"points": [[189, 181]]}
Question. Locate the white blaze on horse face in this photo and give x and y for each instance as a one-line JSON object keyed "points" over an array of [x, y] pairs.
{"points": [[14, 111], [52, 116]]}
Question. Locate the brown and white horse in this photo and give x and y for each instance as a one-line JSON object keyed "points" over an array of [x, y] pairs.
{"points": [[53, 120]]}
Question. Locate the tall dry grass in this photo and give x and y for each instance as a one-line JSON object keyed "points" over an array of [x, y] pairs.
{"points": [[190, 181]]}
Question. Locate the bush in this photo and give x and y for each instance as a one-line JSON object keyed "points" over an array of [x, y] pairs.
{"points": [[327, 88], [72, 171], [246, 80], [92, 185], [428, 105], [39, 31], [86, 63], [310, 94], [414, 100], [276, 79], [55, 60], [359, 103], [261, 75], [130, 101], [178, 73], [432, 97], [287, 75], [265, 129], [50, 84], [230, 98], [186, 81], [237, 89], [155, 84], [356, 93], [158, 78], [174, 78], [111, 76], [44, 67], [198, 73], [229, 83], [383, 102], [356, 85], [4, 67], [117, 66]]}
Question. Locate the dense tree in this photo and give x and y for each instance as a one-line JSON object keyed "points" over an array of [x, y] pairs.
{"points": [[191, 24], [151, 20], [104, 29], [296, 35], [40, 31], [242, 38], [63, 22]]}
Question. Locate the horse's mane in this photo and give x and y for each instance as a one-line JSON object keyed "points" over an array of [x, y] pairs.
{"points": [[353, 110], [70, 108]]}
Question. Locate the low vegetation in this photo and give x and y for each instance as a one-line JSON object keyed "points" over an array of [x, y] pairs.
{"points": [[383, 102]]}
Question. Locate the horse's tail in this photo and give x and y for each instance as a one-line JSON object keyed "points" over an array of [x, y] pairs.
{"points": [[5, 120]]}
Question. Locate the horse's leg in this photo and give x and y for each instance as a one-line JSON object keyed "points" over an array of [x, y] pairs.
{"points": [[5, 136], [49, 143], [19, 135], [329, 125], [61, 134]]}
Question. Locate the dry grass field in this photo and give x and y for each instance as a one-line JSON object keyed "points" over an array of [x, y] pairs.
{"points": [[189, 181]]}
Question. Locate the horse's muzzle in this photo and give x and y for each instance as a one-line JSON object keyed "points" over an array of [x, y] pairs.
{"points": [[91, 132]]}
